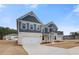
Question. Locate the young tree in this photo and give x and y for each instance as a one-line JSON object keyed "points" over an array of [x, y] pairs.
{"points": [[6, 31]]}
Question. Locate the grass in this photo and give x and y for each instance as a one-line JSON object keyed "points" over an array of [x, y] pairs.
{"points": [[64, 44]]}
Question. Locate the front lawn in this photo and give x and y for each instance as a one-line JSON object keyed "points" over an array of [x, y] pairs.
{"points": [[64, 44]]}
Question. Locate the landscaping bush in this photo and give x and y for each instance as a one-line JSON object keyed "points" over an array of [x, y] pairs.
{"points": [[45, 42], [58, 41]]}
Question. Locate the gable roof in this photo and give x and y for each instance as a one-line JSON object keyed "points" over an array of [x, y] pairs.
{"points": [[30, 16], [50, 24]]}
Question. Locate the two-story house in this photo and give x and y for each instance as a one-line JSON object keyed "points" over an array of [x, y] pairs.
{"points": [[32, 31]]}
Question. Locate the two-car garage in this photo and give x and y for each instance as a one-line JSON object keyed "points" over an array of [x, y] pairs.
{"points": [[30, 38]]}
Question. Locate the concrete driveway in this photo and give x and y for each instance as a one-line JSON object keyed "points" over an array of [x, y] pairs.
{"points": [[48, 50], [44, 50], [74, 51]]}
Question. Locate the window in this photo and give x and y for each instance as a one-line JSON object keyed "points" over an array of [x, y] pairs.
{"points": [[24, 26], [51, 30], [38, 27], [31, 26], [54, 30], [34, 26], [42, 31], [46, 30]]}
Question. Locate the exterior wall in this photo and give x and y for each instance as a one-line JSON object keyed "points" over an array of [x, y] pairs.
{"points": [[9, 37], [28, 26], [34, 36], [59, 37], [29, 38], [14, 38], [49, 29], [46, 29], [52, 37], [46, 38], [55, 36], [53, 27]]}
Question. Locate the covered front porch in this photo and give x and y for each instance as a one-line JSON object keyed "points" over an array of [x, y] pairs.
{"points": [[50, 37]]}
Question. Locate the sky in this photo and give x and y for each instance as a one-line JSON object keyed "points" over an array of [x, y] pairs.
{"points": [[65, 16]]}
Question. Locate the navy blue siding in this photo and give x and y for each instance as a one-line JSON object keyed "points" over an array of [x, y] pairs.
{"points": [[27, 26], [28, 30]]}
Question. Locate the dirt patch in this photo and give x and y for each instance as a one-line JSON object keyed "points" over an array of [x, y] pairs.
{"points": [[65, 44], [10, 47]]}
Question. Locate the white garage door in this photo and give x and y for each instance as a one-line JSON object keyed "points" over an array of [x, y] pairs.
{"points": [[31, 40]]}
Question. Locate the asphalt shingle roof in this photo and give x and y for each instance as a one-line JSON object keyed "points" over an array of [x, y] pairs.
{"points": [[30, 18]]}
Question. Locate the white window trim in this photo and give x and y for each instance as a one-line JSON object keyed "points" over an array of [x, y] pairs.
{"points": [[42, 29], [38, 26], [22, 26], [30, 27], [48, 29]]}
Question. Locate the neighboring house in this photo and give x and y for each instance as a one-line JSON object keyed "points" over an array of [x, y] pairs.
{"points": [[70, 37], [32, 30], [10, 37], [73, 35]]}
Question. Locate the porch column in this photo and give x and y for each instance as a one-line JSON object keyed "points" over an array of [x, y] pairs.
{"points": [[49, 37]]}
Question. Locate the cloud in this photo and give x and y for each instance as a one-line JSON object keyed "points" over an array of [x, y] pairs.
{"points": [[1, 7], [32, 5], [76, 9]]}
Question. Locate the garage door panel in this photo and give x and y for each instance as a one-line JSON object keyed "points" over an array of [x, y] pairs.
{"points": [[31, 40]]}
